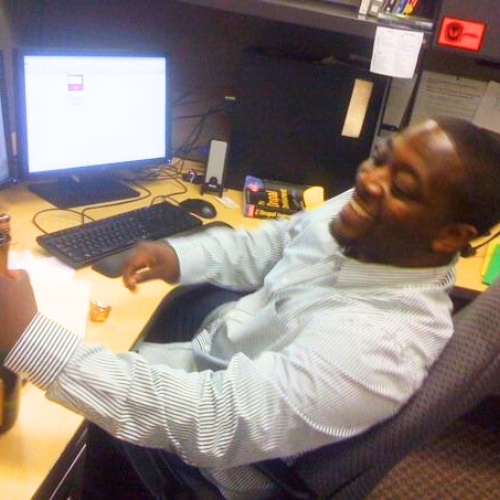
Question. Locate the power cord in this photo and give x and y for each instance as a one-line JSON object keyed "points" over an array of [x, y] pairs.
{"points": [[84, 217]]}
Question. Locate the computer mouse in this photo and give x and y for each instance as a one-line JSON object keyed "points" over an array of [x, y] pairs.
{"points": [[197, 206]]}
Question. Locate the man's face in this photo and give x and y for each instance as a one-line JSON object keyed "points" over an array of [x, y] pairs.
{"points": [[401, 200]]}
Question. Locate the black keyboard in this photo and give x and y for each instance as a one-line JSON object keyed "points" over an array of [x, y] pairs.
{"points": [[85, 244]]}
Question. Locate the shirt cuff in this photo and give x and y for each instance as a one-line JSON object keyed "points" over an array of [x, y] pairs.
{"points": [[42, 351], [192, 262]]}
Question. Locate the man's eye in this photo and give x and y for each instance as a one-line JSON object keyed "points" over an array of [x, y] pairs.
{"points": [[403, 191]]}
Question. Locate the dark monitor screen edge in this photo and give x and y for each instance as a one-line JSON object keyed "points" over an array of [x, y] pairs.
{"points": [[7, 172]]}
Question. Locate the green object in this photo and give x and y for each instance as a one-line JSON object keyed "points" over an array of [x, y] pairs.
{"points": [[493, 269]]}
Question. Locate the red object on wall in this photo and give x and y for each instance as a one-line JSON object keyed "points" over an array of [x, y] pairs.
{"points": [[461, 34]]}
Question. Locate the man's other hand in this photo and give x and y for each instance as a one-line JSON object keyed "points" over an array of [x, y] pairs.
{"points": [[150, 260], [17, 306]]}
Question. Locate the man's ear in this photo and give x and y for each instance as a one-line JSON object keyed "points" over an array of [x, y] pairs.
{"points": [[453, 237]]}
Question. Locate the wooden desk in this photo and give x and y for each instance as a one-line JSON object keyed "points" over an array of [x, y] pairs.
{"points": [[32, 448], [44, 430]]}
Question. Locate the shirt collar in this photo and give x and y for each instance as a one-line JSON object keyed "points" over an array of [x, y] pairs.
{"points": [[352, 272]]}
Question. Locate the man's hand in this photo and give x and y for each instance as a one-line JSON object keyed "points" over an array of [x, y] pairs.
{"points": [[150, 260], [17, 307]]}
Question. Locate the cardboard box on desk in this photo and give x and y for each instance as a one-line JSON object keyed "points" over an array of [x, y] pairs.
{"points": [[268, 199]]}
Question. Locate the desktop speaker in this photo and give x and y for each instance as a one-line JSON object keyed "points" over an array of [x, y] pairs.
{"points": [[214, 172]]}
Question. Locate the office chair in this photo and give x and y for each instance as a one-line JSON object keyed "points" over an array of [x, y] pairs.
{"points": [[467, 371]]}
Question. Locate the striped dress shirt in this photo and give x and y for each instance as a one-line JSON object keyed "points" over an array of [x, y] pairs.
{"points": [[322, 348]]}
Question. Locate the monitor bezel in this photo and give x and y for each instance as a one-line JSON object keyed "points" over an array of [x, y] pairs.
{"points": [[83, 170], [12, 175]]}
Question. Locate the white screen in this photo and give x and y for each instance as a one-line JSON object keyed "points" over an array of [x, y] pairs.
{"points": [[94, 110]]}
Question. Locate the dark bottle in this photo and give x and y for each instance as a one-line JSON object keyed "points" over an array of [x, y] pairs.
{"points": [[10, 383], [10, 394]]}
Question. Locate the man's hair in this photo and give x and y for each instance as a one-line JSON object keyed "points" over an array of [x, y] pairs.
{"points": [[478, 200]]}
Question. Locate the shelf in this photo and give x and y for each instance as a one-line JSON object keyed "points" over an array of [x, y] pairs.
{"points": [[314, 14]]}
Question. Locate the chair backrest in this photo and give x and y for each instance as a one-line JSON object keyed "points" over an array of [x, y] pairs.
{"points": [[467, 371]]}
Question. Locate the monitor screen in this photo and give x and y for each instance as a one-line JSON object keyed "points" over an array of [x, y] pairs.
{"points": [[6, 163], [83, 115]]}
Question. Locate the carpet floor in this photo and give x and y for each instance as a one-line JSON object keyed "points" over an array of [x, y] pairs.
{"points": [[463, 463]]}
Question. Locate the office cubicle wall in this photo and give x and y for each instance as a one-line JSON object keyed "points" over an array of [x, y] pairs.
{"points": [[204, 45]]}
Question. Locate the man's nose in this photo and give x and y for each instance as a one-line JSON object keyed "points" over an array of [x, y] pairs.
{"points": [[374, 179]]}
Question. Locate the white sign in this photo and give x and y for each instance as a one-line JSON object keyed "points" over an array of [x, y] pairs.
{"points": [[395, 52]]}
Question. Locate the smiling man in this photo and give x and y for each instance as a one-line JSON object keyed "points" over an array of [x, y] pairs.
{"points": [[336, 317], [403, 210]]}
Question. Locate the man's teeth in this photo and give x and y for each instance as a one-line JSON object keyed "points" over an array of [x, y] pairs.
{"points": [[359, 209]]}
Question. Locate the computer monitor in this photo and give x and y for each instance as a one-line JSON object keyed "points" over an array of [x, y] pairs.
{"points": [[83, 115], [7, 173]]}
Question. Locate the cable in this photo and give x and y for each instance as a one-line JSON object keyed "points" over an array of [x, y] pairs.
{"points": [[117, 203], [84, 217], [470, 250], [188, 145], [170, 196], [37, 214]]}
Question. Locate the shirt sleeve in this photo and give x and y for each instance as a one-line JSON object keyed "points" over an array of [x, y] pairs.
{"points": [[42, 351], [238, 259], [241, 259], [255, 409]]}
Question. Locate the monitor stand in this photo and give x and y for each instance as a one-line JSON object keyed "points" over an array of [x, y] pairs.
{"points": [[75, 191]]}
